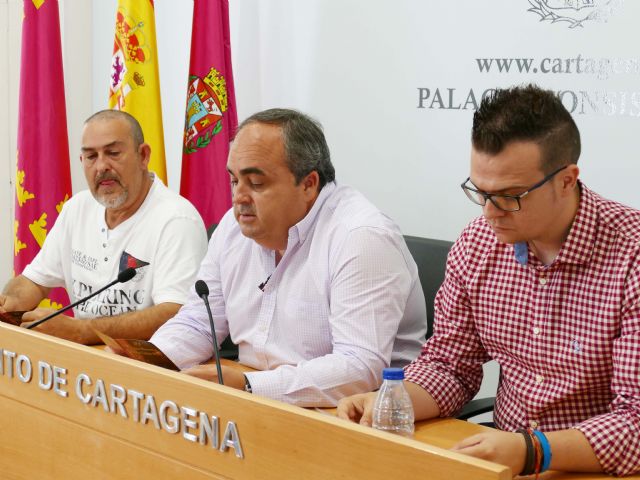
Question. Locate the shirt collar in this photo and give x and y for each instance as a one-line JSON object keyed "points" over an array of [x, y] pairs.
{"points": [[301, 229], [578, 247]]}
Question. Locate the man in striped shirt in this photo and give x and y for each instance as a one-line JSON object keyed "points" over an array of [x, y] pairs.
{"points": [[547, 283]]}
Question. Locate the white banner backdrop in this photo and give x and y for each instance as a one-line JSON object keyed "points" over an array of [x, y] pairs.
{"points": [[395, 85]]}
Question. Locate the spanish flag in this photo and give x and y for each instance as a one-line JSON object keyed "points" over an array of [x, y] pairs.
{"points": [[134, 86], [43, 178]]}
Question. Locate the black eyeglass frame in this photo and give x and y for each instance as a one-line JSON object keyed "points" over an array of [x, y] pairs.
{"points": [[517, 198]]}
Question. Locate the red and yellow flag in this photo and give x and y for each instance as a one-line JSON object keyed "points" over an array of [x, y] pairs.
{"points": [[134, 86], [43, 178], [211, 117]]}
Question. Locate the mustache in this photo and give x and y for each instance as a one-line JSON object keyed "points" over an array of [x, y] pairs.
{"points": [[244, 211], [101, 177]]}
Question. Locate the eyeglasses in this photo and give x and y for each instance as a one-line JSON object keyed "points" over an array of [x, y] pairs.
{"points": [[506, 203]]}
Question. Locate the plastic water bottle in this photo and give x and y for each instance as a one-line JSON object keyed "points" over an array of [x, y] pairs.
{"points": [[393, 411]]}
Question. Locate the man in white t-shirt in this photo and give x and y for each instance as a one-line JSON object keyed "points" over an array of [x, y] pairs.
{"points": [[128, 218]]}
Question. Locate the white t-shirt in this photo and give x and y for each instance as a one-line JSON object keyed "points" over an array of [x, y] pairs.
{"points": [[82, 254]]}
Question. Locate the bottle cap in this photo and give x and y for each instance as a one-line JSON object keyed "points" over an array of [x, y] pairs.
{"points": [[393, 374]]}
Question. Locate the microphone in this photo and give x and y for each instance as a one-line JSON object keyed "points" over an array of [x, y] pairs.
{"points": [[203, 292], [124, 276], [264, 284]]}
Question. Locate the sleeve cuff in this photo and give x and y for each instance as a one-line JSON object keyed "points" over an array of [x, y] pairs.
{"points": [[614, 440], [446, 392]]}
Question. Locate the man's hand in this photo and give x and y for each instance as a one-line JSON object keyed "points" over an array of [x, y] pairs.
{"points": [[232, 377], [7, 304], [61, 326], [505, 448], [357, 408]]}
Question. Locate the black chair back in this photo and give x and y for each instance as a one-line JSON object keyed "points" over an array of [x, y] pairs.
{"points": [[431, 257]]}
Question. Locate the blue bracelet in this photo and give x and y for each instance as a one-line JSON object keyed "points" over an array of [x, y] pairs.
{"points": [[546, 450]]}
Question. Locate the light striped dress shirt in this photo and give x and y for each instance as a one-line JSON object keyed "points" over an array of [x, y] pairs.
{"points": [[344, 302]]}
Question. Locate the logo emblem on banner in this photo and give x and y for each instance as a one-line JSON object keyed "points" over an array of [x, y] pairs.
{"points": [[574, 12], [206, 104]]}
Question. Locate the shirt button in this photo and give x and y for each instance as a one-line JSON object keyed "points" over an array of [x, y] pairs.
{"points": [[536, 331], [533, 424], [539, 379], [102, 230], [106, 259], [542, 280], [104, 245]]}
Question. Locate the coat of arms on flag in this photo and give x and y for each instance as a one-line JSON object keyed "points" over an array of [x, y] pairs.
{"points": [[210, 112], [206, 104], [129, 46], [134, 86]]}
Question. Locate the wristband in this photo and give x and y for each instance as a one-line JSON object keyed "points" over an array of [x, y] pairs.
{"points": [[546, 450], [529, 462]]}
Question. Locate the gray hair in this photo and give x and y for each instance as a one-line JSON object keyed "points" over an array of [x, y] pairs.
{"points": [[134, 125], [305, 147]]}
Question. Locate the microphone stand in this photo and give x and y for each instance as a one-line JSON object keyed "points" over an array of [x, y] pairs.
{"points": [[203, 292], [123, 276]]}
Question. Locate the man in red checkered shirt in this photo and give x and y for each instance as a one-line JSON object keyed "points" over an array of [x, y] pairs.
{"points": [[547, 283]]}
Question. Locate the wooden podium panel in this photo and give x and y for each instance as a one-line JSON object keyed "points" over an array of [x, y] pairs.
{"points": [[46, 435]]}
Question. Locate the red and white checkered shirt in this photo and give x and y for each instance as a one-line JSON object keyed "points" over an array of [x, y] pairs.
{"points": [[566, 335]]}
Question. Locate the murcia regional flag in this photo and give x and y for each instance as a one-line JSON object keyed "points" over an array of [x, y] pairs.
{"points": [[43, 178]]}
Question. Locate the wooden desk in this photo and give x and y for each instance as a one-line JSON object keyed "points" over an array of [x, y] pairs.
{"points": [[446, 432], [91, 427], [56, 435]]}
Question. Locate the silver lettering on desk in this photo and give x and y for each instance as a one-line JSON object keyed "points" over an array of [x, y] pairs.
{"points": [[9, 356], [170, 424], [188, 421], [23, 368], [80, 379], [60, 381], [118, 398], [45, 376], [209, 429], [150, 412], [100, 395], [137, 396], [196, 426], [232, 439]]}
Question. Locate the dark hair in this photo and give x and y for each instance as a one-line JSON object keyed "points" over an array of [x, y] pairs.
{"points": [[527, 114], [305, 147], [134, 126]]}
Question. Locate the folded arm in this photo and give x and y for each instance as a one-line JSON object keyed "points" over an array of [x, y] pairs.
{"points": [[21, 294], [139, 324]]}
